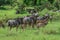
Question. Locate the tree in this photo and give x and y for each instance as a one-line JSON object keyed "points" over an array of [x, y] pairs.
{"points": [[51, 1], [2, 2], [30, 2], [26, 2], [34, 2], [57, 4], [6, 2]]}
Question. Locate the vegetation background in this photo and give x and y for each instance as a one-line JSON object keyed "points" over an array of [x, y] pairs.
{"points": [[50, 32]]}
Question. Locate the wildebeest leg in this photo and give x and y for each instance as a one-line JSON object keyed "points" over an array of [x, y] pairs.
{"points": [[16, 28], [29, 25], [32, 25], [10, 28], [38, 25], [23, 26]]}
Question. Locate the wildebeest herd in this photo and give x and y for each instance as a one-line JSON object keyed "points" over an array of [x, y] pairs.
{"points": [[28, 21]]}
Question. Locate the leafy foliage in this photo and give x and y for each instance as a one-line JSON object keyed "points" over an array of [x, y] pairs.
{"points": [[49, 4]]}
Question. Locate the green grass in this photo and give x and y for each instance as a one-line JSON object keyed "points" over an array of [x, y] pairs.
{"points": [[29, 34], [32, 34]]}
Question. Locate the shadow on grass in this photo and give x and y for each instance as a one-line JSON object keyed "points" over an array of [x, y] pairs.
{"points": [[8, 34], [11, 34]]}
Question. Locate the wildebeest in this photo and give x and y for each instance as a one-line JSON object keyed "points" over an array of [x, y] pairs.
{"points": [[42, 21], [33, 18], [30, 20], [20, 21], [13, 23], [26, 21]]}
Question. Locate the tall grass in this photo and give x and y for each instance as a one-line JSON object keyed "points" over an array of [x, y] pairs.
{"points": [[29, 34]]}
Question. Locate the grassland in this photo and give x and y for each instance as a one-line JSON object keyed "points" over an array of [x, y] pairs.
{"points": [[50, 32]]}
